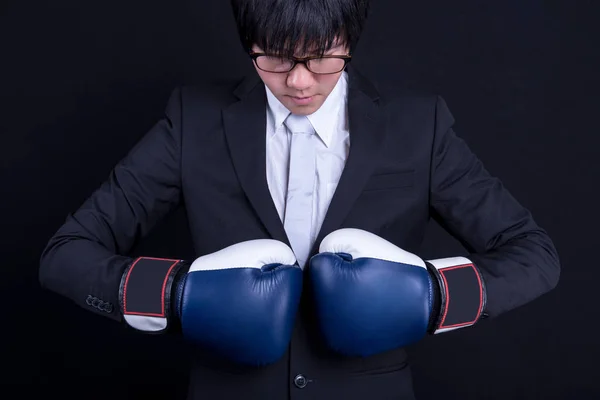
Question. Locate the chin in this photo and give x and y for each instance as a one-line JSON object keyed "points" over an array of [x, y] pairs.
{"points": [[303, 110]]}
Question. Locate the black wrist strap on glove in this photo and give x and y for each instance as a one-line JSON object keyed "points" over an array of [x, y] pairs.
{"points": [[459, 295], [146, 293]]}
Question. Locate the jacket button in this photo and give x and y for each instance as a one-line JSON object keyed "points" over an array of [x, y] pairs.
{"points": [[300, 381]]}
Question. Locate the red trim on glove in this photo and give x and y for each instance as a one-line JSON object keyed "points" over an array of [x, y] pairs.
{"points": [[164, 286], [443, 272]]}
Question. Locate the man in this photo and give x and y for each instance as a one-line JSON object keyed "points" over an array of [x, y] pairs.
{"points": [[308, 193]]}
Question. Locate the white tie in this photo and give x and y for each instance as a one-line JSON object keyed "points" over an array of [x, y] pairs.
{"points": [[301, 180]]}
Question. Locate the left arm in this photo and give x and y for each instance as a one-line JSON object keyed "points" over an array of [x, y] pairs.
{"points": [[516, 259]]}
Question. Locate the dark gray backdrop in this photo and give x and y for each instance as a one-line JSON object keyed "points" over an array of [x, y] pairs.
{"points": [[81, 82]]}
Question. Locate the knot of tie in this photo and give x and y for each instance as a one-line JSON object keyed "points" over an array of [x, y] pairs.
{"points": [[299, 124]]}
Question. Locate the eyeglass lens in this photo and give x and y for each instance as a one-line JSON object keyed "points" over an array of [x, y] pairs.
{"points": [[319, 65]]}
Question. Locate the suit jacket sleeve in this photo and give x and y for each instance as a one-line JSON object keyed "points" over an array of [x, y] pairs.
{"points": [[85, 259], [515, 257]]}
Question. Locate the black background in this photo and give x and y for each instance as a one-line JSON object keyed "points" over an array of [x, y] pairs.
{"points": [[81, 82]]}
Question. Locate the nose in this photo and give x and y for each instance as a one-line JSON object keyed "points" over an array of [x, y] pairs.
{"points": [[300, 78]]}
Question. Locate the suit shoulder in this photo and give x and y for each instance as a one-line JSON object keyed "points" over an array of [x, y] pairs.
{"points": [[215, 93], [414, 106]]}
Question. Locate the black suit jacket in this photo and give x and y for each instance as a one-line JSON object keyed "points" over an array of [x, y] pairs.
{"points": [[406, 165]]}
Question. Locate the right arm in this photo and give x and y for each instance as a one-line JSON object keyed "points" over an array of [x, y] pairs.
{"points": [[86, 258]]}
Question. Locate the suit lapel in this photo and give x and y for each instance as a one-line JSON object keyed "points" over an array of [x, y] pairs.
{"points": [[245, 130], [366, 129]]}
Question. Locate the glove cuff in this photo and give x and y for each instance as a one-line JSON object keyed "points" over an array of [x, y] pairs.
{"points": [[460, 296], [146, 293]]}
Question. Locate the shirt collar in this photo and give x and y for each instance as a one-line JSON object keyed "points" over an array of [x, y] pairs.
{"points": [[324, 120]]}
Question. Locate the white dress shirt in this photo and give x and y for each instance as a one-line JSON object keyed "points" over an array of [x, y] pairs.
{"points": [[332, 142]]}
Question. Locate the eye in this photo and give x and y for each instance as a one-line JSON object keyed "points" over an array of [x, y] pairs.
{"points": [[276, 60]]}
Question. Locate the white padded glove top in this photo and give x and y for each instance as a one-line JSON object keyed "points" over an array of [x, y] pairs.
{"points": [[363, 244], [249, 254]]}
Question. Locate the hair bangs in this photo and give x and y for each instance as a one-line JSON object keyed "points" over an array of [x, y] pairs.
{"points": [[299, 27]]}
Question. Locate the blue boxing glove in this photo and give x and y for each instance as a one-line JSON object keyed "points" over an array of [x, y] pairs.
{"points": [[371, 296], [240, 302]]}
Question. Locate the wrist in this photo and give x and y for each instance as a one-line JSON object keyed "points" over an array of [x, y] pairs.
{"points": [[461, 294], [176, 293], [436, 298], [146, 293]]}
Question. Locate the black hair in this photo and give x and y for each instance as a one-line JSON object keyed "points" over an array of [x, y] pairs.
{"points": [[310, 26]]}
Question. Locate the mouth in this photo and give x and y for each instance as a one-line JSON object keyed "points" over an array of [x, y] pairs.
{"points": [[301, 100]]}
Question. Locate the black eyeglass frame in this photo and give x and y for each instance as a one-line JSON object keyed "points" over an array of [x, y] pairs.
{"points": [[301, 60]]}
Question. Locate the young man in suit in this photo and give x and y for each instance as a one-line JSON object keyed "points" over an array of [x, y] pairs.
{"points": [[308, 193]]}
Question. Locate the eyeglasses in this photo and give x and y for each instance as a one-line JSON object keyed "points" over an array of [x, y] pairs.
{"points": [[328, 64]]}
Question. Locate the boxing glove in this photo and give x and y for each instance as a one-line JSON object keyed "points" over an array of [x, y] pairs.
{"points": [[239, 302], [371, 296]]}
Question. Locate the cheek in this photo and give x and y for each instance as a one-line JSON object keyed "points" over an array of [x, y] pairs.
{"points": [[274, 82], [328, 82]]}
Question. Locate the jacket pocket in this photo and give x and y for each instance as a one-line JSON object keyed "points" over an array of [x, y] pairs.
{"points": [[392, 180], [388, 369]]}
